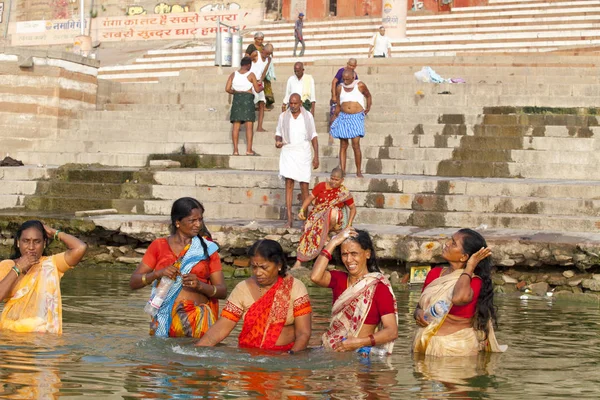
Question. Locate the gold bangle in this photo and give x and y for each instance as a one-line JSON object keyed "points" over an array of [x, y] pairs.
{"points": [[214, 291], [144, 280], [16, 269]]}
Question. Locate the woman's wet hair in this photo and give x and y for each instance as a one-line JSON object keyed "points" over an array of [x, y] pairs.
{"points": [[366, 243], [34, 223], [485, 310], [246, 61], [271, 251], [183, 208]]}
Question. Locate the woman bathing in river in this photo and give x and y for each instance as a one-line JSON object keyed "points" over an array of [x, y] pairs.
{"points": [[190, 258], [274, 305], [30, 279], [466, 286], [364, 312]]}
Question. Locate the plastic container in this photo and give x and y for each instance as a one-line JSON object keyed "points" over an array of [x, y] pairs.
{"points": [[160, 294], [369, 351], [437, 311]]}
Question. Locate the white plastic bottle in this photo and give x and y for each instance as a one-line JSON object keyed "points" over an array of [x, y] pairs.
{"points": [[436, 311], [379, 352], [159, 296]]}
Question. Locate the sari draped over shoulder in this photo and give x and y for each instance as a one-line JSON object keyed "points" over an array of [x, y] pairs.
{"points": [[465, 342], [317, 225], [185, 318], [351, 309], [266, 318], [35, 304]]}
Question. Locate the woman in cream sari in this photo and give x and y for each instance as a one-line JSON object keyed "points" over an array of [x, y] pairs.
{"points": [[364, 312], [466, 287]]}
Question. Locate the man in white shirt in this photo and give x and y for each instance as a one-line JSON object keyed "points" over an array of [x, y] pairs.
{"points": [[295, 134], [302, 84], [381, 45]]}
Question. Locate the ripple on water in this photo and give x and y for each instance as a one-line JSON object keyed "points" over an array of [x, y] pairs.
{"points": [[105, 352]]}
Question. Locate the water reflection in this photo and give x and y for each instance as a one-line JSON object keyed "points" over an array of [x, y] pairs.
{"points": [[105, 352]]}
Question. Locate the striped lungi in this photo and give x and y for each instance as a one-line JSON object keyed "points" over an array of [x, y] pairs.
{"points": [[348, 126]]}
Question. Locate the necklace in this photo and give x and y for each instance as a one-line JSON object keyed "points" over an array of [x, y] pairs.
{"points": [[349, 283]]}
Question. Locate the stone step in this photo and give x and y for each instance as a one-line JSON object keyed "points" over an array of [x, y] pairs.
{"points": [[8, 201], [487, 203], [12, 187], [58, 158], [25, 173], [385, 183], [93, 190], [403, 217], [71, 205]]}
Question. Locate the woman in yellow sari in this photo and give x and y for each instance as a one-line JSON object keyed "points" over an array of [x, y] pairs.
{"points": [[465, 286], [30, 279], [275, 306]]}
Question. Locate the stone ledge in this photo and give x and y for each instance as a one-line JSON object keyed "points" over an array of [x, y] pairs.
{"points": [[409, 244], [24, 53]]}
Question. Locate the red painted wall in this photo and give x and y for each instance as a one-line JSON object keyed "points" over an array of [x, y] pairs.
{"points": [[317, 9], [469, 3]]}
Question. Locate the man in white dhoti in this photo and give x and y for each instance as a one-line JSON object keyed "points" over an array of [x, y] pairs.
{"points": [[295, 134]]}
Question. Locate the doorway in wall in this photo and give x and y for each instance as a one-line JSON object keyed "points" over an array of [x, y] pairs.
{"points": [[332, 8]]}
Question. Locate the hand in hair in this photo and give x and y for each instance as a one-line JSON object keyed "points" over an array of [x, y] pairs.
{"points": [[476, 258], [343, 235]]}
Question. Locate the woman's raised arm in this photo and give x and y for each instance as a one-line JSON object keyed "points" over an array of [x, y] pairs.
{"points": [[319, 274], [76, 248]]}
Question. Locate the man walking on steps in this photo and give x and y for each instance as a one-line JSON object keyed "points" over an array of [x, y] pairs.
{"points": [[302, 84], [381, 45], [295, 136], [298, 34]]}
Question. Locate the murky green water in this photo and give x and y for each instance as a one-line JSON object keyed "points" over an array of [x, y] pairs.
{"points": [[105, 352]]}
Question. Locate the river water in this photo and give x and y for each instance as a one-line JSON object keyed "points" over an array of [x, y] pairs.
{"points": [[105, 353]]}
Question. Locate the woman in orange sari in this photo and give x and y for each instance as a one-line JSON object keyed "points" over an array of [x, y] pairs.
{"points": [[190, 258], [333, 210], [274, 306]]}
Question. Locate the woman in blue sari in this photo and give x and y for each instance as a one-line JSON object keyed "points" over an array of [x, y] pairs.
{"points": [[190, 258]]}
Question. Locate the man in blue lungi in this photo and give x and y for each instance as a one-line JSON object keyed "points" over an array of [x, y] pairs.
{"points": [[350, 112]]}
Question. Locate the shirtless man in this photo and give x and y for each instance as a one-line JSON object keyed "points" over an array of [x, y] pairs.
{"points": [[260, 65], [350, 112]]}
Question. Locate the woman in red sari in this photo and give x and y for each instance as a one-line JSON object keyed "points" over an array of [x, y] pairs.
{"points": [[333, 210], [364, 312], [274, 306]]}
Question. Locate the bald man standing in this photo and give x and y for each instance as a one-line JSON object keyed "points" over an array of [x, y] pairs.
{"points": [[295, 134], [302, 84]]}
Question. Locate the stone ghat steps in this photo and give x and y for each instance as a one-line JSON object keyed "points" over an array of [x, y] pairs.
{"points": [[489, 65], [498, 137], [19, 182], [536, 27], [155, 71], [447, 167], [382, 199]]}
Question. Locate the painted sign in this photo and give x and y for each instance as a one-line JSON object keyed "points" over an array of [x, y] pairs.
{"points": [[188, 25], [1, 11], [393, 18]]}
